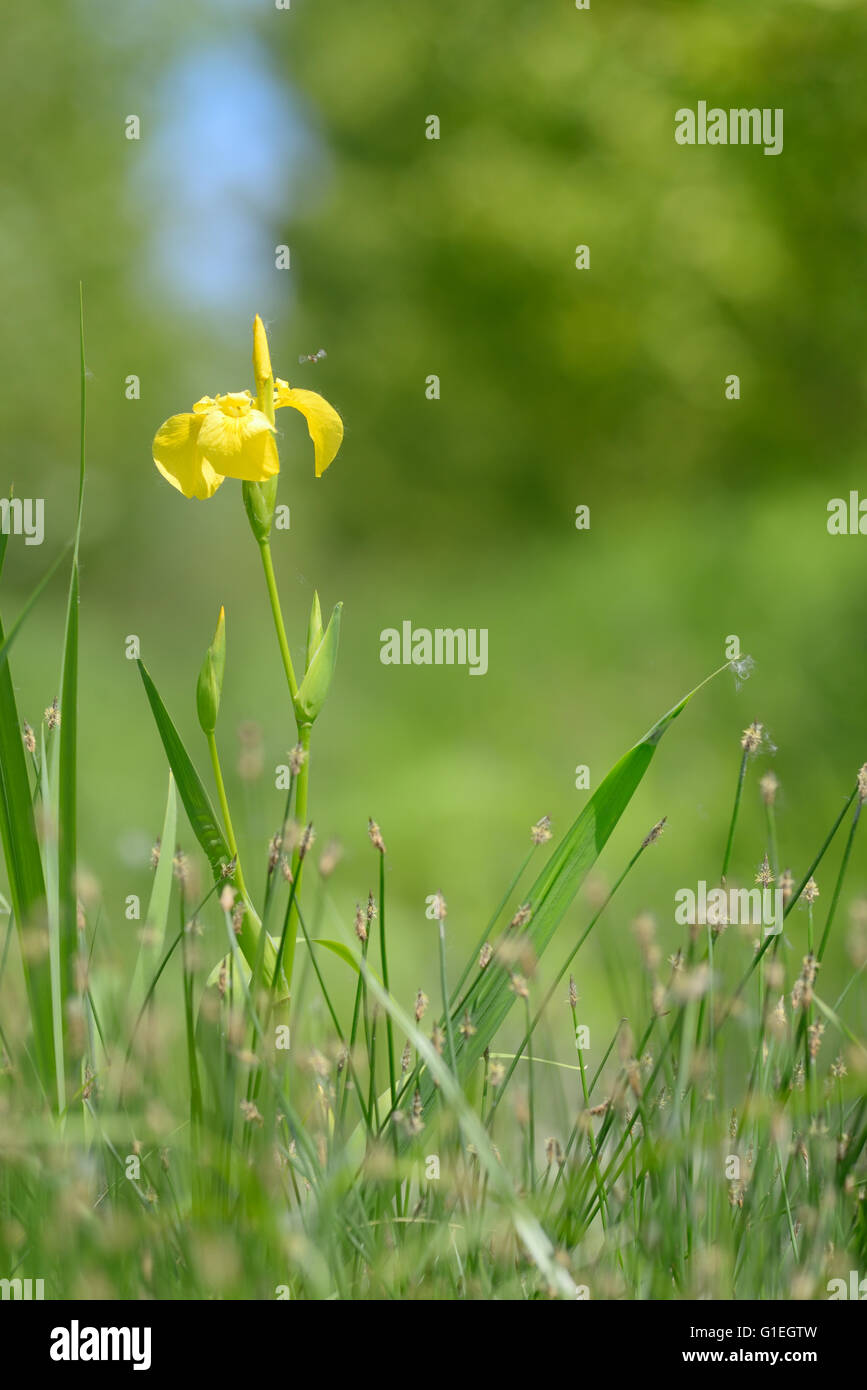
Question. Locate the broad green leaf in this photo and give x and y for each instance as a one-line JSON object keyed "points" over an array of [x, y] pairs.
{"points": [[558, 883], [197, 805], [203, 821], [338, 949]]}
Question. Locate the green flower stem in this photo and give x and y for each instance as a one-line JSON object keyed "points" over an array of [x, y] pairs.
{"points": [[838, 886], [304, 733], [271, 581], [734, 820], [227, 819], [445, 992]]}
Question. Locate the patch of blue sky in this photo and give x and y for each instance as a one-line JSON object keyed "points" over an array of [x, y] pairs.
{"points": [[221, 155]]}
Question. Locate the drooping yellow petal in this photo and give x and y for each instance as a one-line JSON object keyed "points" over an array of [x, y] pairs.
{"points": [[324, 425], [238, 440], [178, 456]]}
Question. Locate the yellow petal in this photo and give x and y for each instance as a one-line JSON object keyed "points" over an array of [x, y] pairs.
{"points": [[324, 425], [238, 440], [178, 457]]}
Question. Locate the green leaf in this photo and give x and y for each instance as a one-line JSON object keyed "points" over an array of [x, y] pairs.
{"points": [[316, 683], [526, 1226], [200, 814], [338, 949], [838, 1023], [157, 915], [315, 630], [26, 882], [197, 805], [67, 810], [67, 793], [558, 883], [22, 616]]}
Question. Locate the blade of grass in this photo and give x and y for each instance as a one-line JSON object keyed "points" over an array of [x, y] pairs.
{"points": [[526, 1227], [30, 604], [26, 882], [203, 820], [157, 914], [555, 888]]}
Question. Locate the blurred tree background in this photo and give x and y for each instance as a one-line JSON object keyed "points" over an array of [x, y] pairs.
{"points": [[453, 257]]}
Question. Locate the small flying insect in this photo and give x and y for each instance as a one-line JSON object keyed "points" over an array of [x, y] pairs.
{"points": [[313, 357]]}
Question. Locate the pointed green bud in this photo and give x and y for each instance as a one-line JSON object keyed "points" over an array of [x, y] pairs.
{"points": [[260, 500], [315, 630], [210, 686], [316, 683]]}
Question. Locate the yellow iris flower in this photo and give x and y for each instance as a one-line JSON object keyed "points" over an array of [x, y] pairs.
{"points": [[229, 437]]}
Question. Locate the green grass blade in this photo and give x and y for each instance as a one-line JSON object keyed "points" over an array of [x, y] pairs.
{"points": [[157, 915], [67, 828], [67, 777], [196, 801], [31, 602], [558, 883], [52, 900], [525, 1224], [203, 820], [24, 870]]}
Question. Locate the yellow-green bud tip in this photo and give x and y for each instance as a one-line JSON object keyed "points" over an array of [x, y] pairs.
{"points": [[262, 369]]}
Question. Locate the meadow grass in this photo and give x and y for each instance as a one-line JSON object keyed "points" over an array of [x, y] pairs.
{"points": [[216, 1123]]}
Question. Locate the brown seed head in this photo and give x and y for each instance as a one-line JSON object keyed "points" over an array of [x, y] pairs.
{"points": [[330, 858], [541, 831], [751, 741], [654, 834], [764, 876], [769, 786], [297, 757], [360, 923], [375, 834]]}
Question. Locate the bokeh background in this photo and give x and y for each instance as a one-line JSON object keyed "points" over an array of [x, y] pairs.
{"points": [[412, 257]]}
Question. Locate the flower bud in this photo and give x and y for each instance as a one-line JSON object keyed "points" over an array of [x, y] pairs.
{"points": [[316, 683], [260, 500], [262, 369], [315, 630], [210, 686]]}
